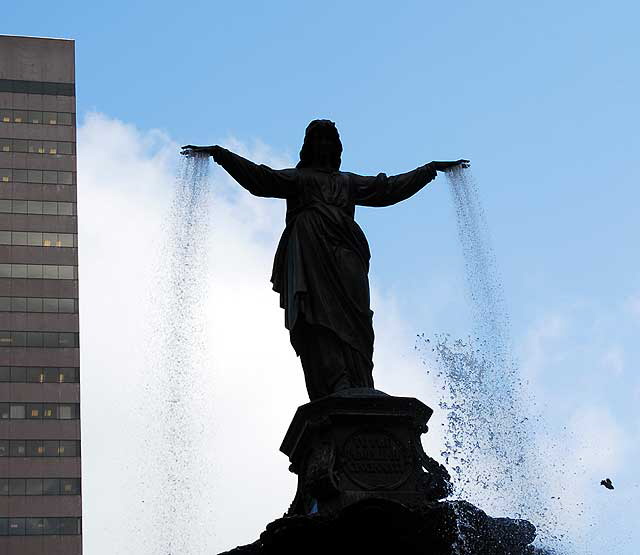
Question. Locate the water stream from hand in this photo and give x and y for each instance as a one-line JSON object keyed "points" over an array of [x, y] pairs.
{"points": [[175, 381], [490, 443]]}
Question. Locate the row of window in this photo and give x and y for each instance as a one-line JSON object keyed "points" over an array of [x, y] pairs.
{"points": [[35, 116], [38, 239], [22, 374], [39, 411], [39, 448], [38, 304], [48, 339], [47, 526], [39, 486], [37, 87], [37, 147], [37, 176], [38, 271], [46, 207]]}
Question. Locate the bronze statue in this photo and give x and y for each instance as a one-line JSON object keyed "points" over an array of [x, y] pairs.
{"points": [[321, 266]]}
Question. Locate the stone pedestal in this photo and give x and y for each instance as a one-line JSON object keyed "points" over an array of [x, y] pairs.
{"points": [[366, 486], [361, 444]]}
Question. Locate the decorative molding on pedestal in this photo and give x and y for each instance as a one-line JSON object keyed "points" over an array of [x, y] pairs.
{"points": [[361, 444]]}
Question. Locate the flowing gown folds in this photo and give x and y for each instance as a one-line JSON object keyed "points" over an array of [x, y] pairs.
{"points": [[321, 265]]}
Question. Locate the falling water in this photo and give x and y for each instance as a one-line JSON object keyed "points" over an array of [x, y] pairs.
{"points": [[489, 444], [176, 381]]}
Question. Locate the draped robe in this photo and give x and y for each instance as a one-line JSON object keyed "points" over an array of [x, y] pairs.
{"points": [[321, 265]]}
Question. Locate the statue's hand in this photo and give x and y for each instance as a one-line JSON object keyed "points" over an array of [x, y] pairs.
{"points": [[192, 150], [445, 166]]}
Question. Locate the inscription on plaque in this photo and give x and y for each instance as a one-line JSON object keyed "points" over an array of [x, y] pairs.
{"points": [[375, 459]]}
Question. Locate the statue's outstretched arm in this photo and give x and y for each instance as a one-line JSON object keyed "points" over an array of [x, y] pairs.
{"points": [[258, 179], [383, 190]]}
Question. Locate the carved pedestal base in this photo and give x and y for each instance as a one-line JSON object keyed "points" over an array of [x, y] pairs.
{"points": [[361, 444]]}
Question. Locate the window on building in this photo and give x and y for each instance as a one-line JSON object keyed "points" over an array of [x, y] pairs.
{"points": [[37, 176], [40, 526], [34, 339], [69, 486], [19, 238], [20, 374], [35, 117], [34, 304], [19, 338], [37, 147], [69, 449], [51, 486], [51, 411], [52, 449], [38, 238], [65, 118], [46, 207], [20, 206], [17, 486], [35, 375], [34, 526], [35, 448], [51, 375], [37, 271], [20, 176], [34, 410], [18, 412], [20, 145], [34, 486], [17, 448], [16, 526]]}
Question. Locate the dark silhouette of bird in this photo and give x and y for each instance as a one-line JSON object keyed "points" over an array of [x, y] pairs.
{"points": [[607, 483]]}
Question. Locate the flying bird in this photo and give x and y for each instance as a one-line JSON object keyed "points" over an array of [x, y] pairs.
{"points": [[607, 483]]}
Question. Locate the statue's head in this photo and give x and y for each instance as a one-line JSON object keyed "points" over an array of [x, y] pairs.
{"points": [[322, 146]]}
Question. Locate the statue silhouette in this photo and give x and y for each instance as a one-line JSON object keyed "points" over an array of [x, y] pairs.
{"points": [[321, 265]]}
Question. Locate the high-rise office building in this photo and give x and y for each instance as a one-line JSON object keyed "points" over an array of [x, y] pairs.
{"points": [[40, 501]]}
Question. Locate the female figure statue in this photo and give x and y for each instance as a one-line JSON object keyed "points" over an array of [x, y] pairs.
{"points": [[321, 265]]}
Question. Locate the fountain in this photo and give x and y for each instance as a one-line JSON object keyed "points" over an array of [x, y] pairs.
{"points": [[365, 483]]}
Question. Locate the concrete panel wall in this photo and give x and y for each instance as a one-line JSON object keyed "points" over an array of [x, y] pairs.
{"points": [[45, 545], [22, 59], [40, 393], [39, 506], [62, 467]]}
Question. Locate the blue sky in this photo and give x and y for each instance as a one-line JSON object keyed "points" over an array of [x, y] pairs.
{"points": [[542, 97]]}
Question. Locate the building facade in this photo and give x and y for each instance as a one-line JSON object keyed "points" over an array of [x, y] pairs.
{"points": [[40, 488]]}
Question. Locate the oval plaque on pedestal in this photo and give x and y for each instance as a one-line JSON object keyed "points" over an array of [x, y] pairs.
{"points": [[375, 459]]}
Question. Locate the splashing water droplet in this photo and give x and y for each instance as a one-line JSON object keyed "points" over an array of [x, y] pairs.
{"points": [[490, 442]]}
